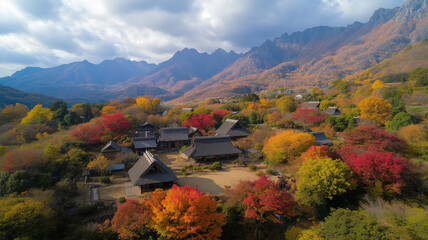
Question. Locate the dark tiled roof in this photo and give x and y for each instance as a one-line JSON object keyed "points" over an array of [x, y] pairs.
{"points": [[144, 142], [332, 111], [232, 128], [321, 139], [148, 126], [314, 105], [114, 147], [148, 170], [174, 134], [211, 146], [187, 109], [174, 125]]}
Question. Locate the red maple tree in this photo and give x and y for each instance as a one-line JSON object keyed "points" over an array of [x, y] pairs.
{"points": [[308, 117], [317, 152], [88, 132], [369, 138], [202, 121], [380, 167], [22, 160], [116, 123], [222, 112]]}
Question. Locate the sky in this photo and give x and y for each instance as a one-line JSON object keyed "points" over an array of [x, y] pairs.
{"points": [[46, 33]]}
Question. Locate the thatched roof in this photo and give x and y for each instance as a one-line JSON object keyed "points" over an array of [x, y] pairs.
{"points": [[232, 128], [210, 146], [321, 138], [148, 170], [114, 147], [333, 111], [174, 134], [144, 142]]}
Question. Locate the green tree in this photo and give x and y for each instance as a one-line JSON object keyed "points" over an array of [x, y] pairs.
{"points": [[4, 176], [253, 118], [400, 120], [18, 182], [25, 218], [326, 104], [420, 76], [322, 179], [51, 153], [344, 224]]}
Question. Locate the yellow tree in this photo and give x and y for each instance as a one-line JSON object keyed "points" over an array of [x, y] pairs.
{"points": [[107, 110], [376, 109], [155, 104], [265, 103], [99, 164], [378, 84], [147, 103], [286, 104], [38, 115], [286, 145]]}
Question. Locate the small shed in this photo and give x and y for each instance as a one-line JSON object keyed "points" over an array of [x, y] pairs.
{"points": [[187, 110], [149, 173], [234, 129], [171, 138], [116, 168], [211, 148], [321, 138], [112, 150], [141, 144], [298, 97], [333, 111]]}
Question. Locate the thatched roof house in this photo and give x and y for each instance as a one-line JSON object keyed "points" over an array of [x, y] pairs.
{"points": [[150, 173], [173, 137], [333, 111], [211, 148], [321, 138], [233, 128]]}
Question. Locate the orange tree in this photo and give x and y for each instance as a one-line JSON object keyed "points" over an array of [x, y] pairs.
{"points": [[186, 213], [376, 109], [286, 145], [315, 152]]}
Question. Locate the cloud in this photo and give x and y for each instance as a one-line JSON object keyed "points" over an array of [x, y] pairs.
{"points": [[50, 32]]}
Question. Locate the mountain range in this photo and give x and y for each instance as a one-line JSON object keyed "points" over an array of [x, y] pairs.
{"points": [[312, 57]]}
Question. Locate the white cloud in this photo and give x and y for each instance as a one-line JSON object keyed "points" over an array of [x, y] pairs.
{"points": [[49, 32]]}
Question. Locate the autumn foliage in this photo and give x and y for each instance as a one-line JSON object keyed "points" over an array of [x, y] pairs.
{"points": [[21, 159], [315, 152], [202, 121], [376, 109], [179, 213], [378, 167], [88, 132], [116, 123], [308, 117], [286, 145], [370, 138], [222, 112]]}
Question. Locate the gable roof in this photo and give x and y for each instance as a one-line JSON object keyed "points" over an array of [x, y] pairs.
{"points": [[144, 142], [187, 109], [174, 134], [332, 111], [321, 139], [114, 147], [314, 105], [232, 128], [148, 125], [210, 146], [148, 170], [174, 125]]}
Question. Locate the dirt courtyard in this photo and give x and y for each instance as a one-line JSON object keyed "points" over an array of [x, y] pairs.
{"points": [[212, 182]]}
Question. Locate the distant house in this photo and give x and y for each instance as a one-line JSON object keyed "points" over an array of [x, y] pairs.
{"points": [[313, 105], [141, 144], [321, 138], [298, 97], [211, 148], [333, 111], [187, 110], [148, 127], [233, 128], [289, 91], [194, 132], [149, 173], [174, 125], [112, 150], [116, 168], [173, 137]]}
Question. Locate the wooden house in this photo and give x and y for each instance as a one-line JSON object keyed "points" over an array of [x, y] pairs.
{"points": [[141, 144], [312, 105], [194, 132], [211, 148], [187, 110], [149, 173], [171, 138], [333, 111], [112, 150], [234, 129], [321, 138]]}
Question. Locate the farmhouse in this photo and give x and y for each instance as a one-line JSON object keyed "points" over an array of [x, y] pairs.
{"points": [[321, 138], [141, 144], [312, 105], [173, 137], [112, 150], [233, 128], [150, 173], [211, 148], [333, 111], [187, 110]]}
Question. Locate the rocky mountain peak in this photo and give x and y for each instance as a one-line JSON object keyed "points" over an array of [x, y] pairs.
{"points": [[383, 15], [412, 9]]}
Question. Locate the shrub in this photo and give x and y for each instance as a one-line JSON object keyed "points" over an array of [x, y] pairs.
{"points": [[121, 200], [253, 167], [104, 179], [259, 173], [269, 171]]}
